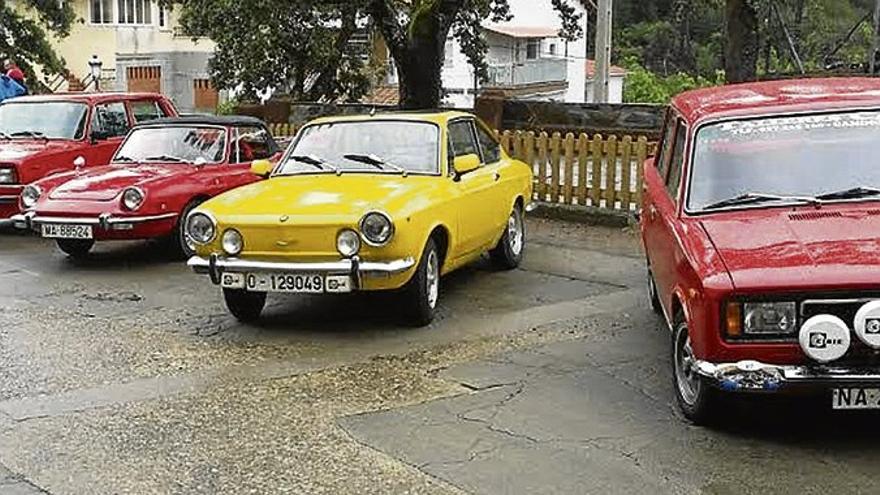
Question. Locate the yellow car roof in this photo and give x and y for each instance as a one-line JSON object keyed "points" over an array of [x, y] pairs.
{"points": [[434, 116]]}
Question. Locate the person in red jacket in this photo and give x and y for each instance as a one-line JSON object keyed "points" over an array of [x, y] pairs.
{"points": [[14, 73]]}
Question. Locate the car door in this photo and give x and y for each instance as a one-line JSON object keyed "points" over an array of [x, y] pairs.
{"points": [[502, 192], [477, 209], [109, 124], [662, 209]]}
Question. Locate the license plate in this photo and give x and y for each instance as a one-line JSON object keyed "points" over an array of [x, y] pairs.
{"points": [[855, 398], [66, 231]]}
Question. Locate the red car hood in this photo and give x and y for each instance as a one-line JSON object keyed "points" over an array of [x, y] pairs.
{"points": [[107, 183], [17, 151], [781, 249]]}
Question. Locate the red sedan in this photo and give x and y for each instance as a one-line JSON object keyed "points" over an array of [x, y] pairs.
{"points": [[760, 223], [163, 170], [46, 134]]}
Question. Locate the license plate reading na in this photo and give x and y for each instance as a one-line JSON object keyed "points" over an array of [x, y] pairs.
{"points": [[66, 231], [855, 398]]}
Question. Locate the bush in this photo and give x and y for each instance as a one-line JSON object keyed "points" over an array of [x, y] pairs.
{"points": [[644, 86]]}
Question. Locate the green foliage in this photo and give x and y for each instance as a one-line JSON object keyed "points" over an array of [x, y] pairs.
{"points": [[26, 29], [644, 86]]}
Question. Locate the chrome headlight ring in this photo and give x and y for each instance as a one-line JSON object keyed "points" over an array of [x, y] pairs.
{"points": [[376, 228], [133, 198], [233, 242], [30, 195], [201, 227]]}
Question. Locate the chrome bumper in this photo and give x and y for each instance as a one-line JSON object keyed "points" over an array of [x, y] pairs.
{"points": [[757, 376], [216, 265], [5, 222], [106, 221]]}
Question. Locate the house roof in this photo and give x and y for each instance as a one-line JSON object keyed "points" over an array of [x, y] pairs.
{"points": [[778, 97], [590, 67], [524, 31], [382, 95]]}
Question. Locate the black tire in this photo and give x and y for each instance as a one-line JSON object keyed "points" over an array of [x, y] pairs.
{"points": [[696, 398], [422, 292], [653, 296], [508, 253], [176, 243], [75, 248], [245, 306]]}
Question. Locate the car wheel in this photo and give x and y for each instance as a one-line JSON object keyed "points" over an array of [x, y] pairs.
{"points": [[652, 292], [75, 248], [509, 251], [180, 245], [696, 398], [423, 290], [245, 306]]}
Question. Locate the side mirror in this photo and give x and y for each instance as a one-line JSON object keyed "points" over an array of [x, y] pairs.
{"points": [[465, 163], [79, 162], [261, 168]]}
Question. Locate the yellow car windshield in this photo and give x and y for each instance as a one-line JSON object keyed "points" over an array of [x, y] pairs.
{"points": [[361, 146]]}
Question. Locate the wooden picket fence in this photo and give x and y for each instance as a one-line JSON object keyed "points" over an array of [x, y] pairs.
{"points": [[597, 171]]}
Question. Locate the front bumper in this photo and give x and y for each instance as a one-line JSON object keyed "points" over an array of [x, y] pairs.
{"points": [[755, 376], [106, 221], [216, 265]]}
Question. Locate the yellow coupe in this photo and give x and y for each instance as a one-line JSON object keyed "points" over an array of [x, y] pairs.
{"points": [[379, 202]]}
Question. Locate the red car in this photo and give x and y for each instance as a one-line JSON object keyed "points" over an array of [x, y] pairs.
{"points": [[46, 134], [761, 226], [162, 170]]}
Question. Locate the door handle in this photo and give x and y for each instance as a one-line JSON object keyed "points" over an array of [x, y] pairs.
{"points": [[652, 212], [497, 176]]}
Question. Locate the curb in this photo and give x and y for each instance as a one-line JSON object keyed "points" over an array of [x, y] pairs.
{"points": [[588, 215]]}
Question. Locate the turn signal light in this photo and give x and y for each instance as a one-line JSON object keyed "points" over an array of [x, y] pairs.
{"points": [[733, 319]]}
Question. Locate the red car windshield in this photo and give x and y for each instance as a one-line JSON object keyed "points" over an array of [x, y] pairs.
{"points": [[800, 156], [174, 144], [49, 119]]}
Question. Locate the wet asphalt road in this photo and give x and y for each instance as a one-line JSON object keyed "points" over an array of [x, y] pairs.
{"points": [[124, 374]]}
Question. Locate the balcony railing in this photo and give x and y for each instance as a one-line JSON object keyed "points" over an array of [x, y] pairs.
{"points": [[527, 72]]}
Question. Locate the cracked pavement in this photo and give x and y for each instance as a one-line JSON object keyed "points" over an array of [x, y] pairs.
{"points": [[124, 374]]}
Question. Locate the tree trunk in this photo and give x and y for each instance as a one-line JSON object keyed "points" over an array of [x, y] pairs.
{"points": [[741, 51], [419, 75]]}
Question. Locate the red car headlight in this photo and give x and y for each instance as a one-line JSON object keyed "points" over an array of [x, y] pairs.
{"points": [[8, 175]]}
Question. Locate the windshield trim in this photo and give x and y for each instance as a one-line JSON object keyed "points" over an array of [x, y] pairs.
{"points": [[87, 115], [226, 145], [292, 146], [787, 204]]}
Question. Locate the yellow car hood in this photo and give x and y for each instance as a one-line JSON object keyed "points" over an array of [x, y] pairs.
{"points": [[322, 198]]}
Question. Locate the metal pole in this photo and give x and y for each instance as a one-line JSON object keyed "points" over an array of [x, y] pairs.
{"points": [[603, 50], [876, 45]]}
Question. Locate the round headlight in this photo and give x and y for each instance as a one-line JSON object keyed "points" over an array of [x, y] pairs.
{"points": [[132, 198], [348, 243], [30, 195], [232, 242], [200, 228], [377, 229]]}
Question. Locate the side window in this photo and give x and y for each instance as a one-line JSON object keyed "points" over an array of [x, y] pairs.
{"points": [[145, 111], [110, 119], [252, 143], [662, 161], [461, 138], [491, 149], [677, 162]]}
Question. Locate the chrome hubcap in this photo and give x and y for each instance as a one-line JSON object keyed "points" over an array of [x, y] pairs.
{"points": [[686, 377], [652, 287], [433, 279], [515, 233]]}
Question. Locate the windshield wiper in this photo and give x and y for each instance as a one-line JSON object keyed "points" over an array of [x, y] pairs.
{"points": [[749, 198], [166, 158], [851, 193], [315, 162], [3, 135], [34, 134], [375, 161], [126, 159]]}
